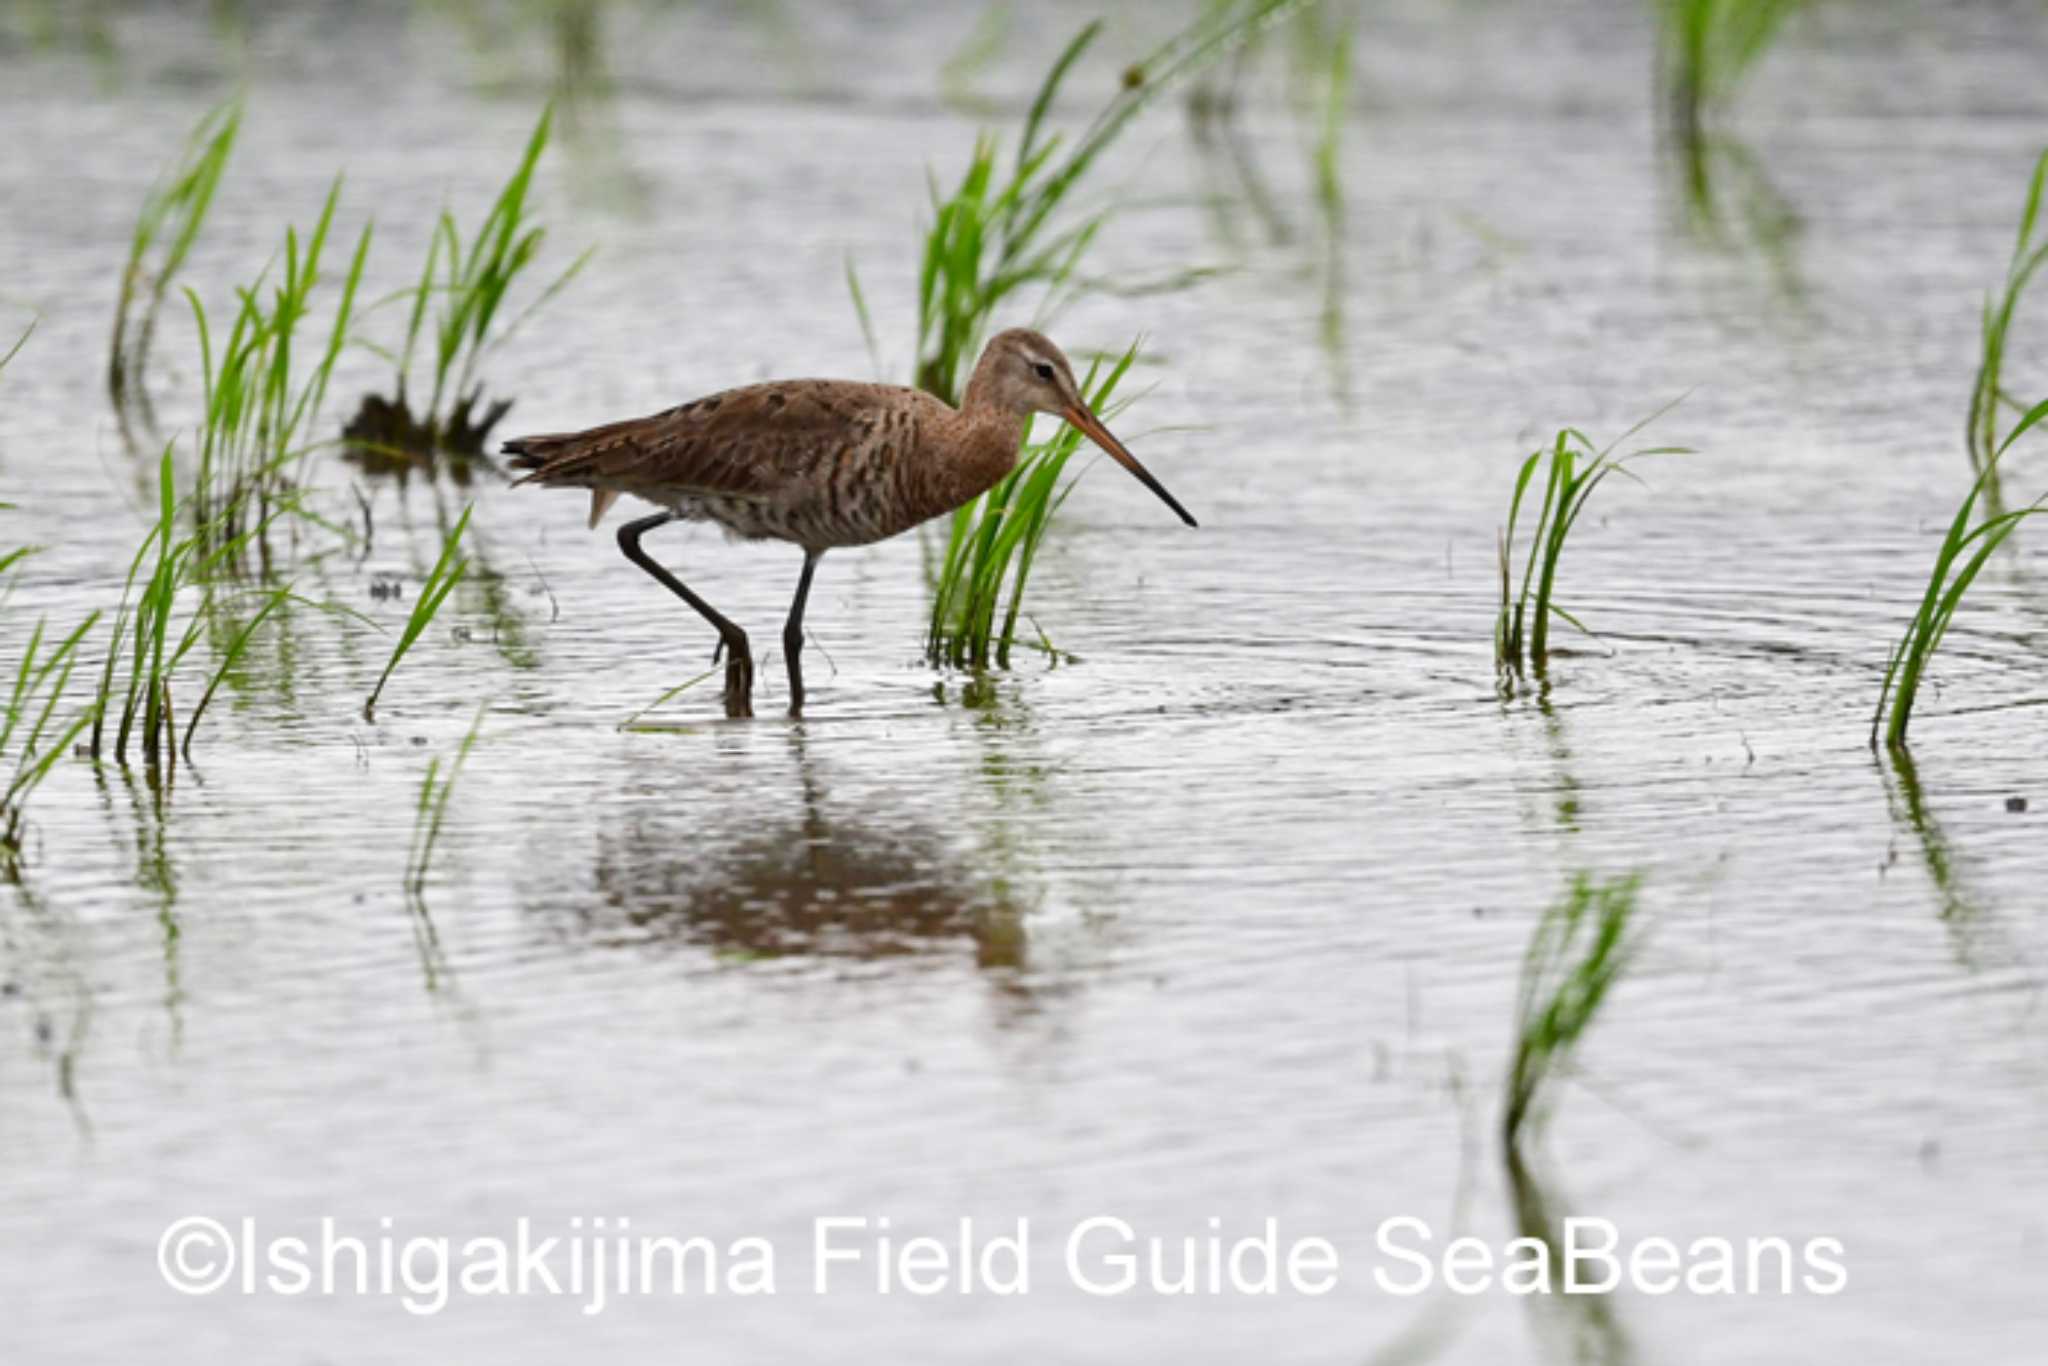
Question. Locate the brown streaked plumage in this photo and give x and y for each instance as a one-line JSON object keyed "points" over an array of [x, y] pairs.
{"points": [[819, 463]]}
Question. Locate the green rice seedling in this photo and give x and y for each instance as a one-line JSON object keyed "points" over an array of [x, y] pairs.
{"points": [[432, 807], [996, 537], [457, 315], [1521, 632], [12, 560], [1965, 550], [637, 721], [175, 564], [1580, 949], [172, 216], [260, 404], [1989, 394], [1708, 47], [231, 655], [32, 737], [19, 342], [440, 582], [1002, 230]]}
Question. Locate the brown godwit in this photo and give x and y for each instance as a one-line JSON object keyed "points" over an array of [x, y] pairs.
{"points": [[819, 463]]}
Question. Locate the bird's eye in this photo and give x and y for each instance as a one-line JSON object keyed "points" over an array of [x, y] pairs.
{"points": [[1043, 370]]}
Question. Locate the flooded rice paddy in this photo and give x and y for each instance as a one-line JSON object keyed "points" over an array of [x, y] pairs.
{"points": [[1221, 919]]}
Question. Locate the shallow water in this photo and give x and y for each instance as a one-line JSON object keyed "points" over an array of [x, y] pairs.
{"points": [[1223, 919]]}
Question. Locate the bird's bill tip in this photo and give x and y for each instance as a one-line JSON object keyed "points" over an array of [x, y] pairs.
{"points": [[1091, 427]]}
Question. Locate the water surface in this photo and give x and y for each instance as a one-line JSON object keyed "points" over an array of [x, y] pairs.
{"points": [[1222, 919]]}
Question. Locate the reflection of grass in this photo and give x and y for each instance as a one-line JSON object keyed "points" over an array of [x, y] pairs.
{"points": [[1988, 394], [1598, 1338], [996, 538], [1580, 949], [1910, 809], [1964, 552], [1521, 632], [170, 222], [428, 813], [432, 807]]}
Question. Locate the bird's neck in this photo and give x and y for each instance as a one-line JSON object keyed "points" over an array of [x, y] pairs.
{"points": [[984, 448]]}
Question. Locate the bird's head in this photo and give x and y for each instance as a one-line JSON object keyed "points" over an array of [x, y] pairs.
{"points": [[1022, 372]]}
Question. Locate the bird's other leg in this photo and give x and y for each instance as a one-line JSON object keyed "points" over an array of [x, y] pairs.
{"points": [[739, 663], [793, 633]]}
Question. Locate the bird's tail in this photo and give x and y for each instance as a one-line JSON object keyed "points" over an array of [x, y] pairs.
{"points": [[533, 454], [560, 458]]}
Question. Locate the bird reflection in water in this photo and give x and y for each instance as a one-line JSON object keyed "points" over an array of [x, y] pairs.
{"points": [[876, 885]]}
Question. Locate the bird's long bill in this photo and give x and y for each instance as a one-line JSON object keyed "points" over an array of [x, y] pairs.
{"points": [[1091, 426]]}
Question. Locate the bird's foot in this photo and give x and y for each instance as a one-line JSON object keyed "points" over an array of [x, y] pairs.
{"points": [[739, 685]]}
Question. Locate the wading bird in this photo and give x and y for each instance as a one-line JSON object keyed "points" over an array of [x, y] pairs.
{"points": [[819, 463]]}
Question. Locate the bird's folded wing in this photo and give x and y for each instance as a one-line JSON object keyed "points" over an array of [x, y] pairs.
{"points": [[743, 443]]}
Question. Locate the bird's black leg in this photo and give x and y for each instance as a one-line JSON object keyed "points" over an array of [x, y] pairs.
{"points": [[739, 662], [793, 634]]}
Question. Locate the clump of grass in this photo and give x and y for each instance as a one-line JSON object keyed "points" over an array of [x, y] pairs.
{"points": [[177, 563], [1580, 949], [32, 738], [259, 406], [1002, 230], [995, 539], [1988, 394], [1708, 47], [440, 582], [1965, 550], [458, 310], [172, 216], [1521, 631]]}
